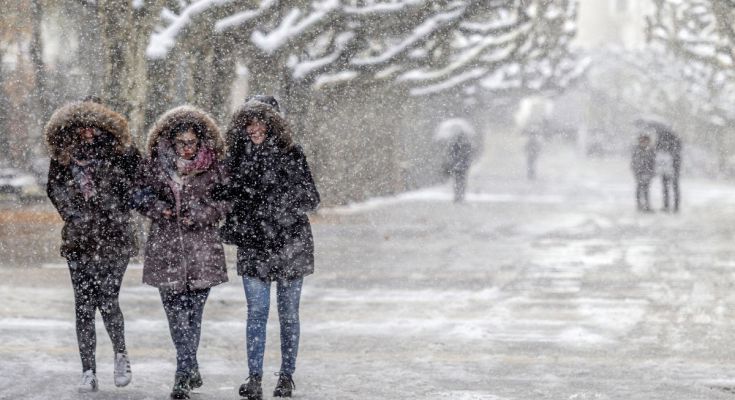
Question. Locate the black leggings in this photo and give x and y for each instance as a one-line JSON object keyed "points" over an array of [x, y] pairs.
{"points": [[97, 286], [184, 311]]}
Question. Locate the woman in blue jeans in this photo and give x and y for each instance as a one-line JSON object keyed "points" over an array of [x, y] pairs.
{"points": [[271, 189]]}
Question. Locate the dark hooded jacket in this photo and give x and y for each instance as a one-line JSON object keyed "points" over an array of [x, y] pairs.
{"points": [[91, 184], [271, 189], [183, 251], [668, 141], [643, 163], [459, 155]]}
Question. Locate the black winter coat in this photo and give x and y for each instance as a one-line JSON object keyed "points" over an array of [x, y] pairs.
{"points": [[459, 155], [100, 225], [270, 189], [643, 163]]}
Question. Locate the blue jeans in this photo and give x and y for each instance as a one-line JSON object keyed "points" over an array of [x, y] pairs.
{"points": [[288, 294], [184, 312]]}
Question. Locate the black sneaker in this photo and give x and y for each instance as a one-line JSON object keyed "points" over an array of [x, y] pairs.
{"points": [[195, 379], [181, 387], [285, 386], [252, 389]]}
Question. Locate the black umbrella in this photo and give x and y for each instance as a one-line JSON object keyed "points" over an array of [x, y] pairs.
{"points": [[666, 139], [661, 128]]}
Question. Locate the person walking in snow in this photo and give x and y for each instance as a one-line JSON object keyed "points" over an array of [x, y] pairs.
{"points": [[455, 135], [665, 169], [668, 146], [533, 149], [184, 256], [91, 176], [271, 190], [643, 163], [459, 158]]}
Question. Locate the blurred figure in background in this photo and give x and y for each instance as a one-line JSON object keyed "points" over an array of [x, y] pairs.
{"points": [[668, 145], [643, 163], [533, 149], [665, 169], [457, 135]]}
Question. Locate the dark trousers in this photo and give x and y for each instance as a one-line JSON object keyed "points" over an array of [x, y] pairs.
{"points": [[531, 168], [184, 311], [672, 181], [97, 286], [460, 184], [641, 195]]}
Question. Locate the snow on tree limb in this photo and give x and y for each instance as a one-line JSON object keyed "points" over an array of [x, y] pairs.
{"points": [[163, 41], [419, 33], [291, 27], [383, 8], [449, 83], [424, 45], [699, 35]]}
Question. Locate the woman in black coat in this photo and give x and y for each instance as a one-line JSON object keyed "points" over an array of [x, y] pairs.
{"points": [[93, 170], [270, 189]]}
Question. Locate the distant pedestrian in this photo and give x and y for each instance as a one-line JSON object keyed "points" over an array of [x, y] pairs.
{"points": [[668, 145], [533, 149], [459, 160], [456, 137], [271, 190], [91, 176], [665, 169], [184, 256], [643, 164]]}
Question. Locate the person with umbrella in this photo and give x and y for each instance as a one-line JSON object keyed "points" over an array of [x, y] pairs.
{"points": [[668, 144], [457, 134]]}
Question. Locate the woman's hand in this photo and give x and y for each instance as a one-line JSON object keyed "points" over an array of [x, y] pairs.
{"points": [[167, 213]]}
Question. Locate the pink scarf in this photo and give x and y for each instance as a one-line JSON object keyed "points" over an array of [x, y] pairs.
{"points": [[203, 160]]}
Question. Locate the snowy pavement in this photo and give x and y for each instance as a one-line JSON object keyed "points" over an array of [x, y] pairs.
{"points": [[549, 290]]}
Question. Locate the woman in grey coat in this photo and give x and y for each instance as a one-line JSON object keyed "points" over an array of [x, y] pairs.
{"points": [[184, 256]]}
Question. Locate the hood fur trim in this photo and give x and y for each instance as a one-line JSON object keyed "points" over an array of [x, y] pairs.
{"points": [[186, 114], [60, 136], [280, 129]]}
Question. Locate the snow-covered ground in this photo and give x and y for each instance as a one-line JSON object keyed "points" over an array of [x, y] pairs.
{"points": [[556, 289]]}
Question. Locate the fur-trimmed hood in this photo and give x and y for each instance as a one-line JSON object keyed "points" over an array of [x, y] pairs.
{"points": [[60, 135], [186, 115], [279, 129]]}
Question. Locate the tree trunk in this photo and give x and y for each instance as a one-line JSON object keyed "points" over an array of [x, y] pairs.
{"points": [[137, 85], [39, 102], [90, 51], [116, 18], [223, 76], [159, 92]]}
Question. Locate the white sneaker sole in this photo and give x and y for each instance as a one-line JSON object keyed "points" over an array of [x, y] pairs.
{"points": [[123, 381], [87, 390]]}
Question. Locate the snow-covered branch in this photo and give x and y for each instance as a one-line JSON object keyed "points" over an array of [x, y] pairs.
{"points": [[425, 45], [164, 40]]}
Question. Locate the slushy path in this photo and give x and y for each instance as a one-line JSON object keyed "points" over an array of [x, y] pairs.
{"points": [[549, 290]]}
